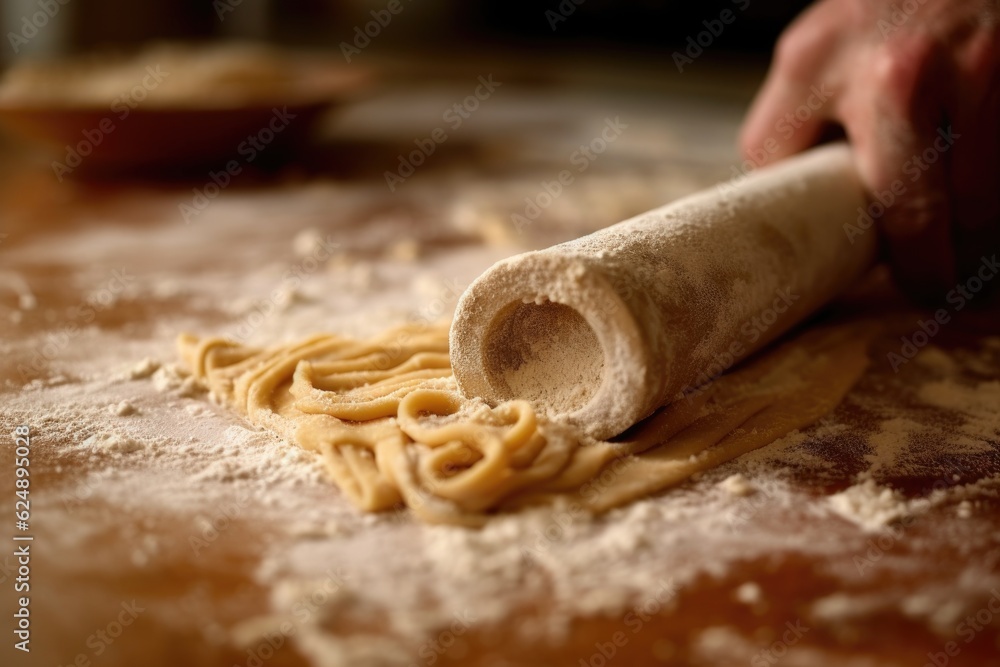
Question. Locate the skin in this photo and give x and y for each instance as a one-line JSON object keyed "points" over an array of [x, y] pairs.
{"points": [[899, 71]]}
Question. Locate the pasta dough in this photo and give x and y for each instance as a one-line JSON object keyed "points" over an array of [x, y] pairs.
{"points": [[393, 430]]}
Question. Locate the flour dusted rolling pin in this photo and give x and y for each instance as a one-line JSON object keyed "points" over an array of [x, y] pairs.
{"points": [[603, 330]]}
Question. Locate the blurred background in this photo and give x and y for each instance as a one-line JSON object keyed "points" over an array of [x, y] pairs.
{"points": [[648, 28], [554, 58]]}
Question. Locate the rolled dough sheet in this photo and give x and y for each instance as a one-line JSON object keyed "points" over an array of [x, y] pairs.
{"points": [[393, 430], [557, 351]]}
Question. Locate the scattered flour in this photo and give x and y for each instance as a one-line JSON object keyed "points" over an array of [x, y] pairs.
{"points": [[869, 505], [977, 403], [144, 369], [749, 593], [938, 360], [123, 409], [112, 442], [737, 485], [174, 379], [187, 460], [874, 507]]}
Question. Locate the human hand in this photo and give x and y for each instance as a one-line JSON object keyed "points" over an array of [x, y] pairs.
{"points": [[915, 84]]}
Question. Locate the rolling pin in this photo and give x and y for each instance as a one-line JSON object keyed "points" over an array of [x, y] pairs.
{"points": [[603, 330]]}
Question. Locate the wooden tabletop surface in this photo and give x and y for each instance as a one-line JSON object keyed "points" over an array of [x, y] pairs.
{"points": [[64, 241]]}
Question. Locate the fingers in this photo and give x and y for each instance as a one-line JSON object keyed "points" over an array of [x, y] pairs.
{"points": [[895, 123], [919, 99], [975, 160], [785, 119], [791, 110]]}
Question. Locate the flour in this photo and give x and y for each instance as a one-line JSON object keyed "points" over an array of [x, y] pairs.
{"points": [[123, 409], [493, 570], [738, 485], [112, 442], [875, 507], [143, 369], [964, 509], [659, 300], [749, 594], [870, 506], [976, 402], [173, 378], [181, 457]]}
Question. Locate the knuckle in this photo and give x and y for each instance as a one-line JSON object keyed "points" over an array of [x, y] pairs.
{"points": [[810, 41], [793, 53], [901, 69]]}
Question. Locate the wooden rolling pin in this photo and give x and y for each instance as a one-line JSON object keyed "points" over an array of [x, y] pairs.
{"points": [[603, 330]]}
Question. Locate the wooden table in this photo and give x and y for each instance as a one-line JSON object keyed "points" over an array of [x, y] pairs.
{"points": [[113, 527]]}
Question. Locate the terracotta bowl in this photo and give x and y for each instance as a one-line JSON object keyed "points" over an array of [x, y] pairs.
{"points": [[83, 138]]}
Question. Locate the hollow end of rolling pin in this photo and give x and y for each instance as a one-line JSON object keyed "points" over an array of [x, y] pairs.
{"points": [[552, 331]]}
